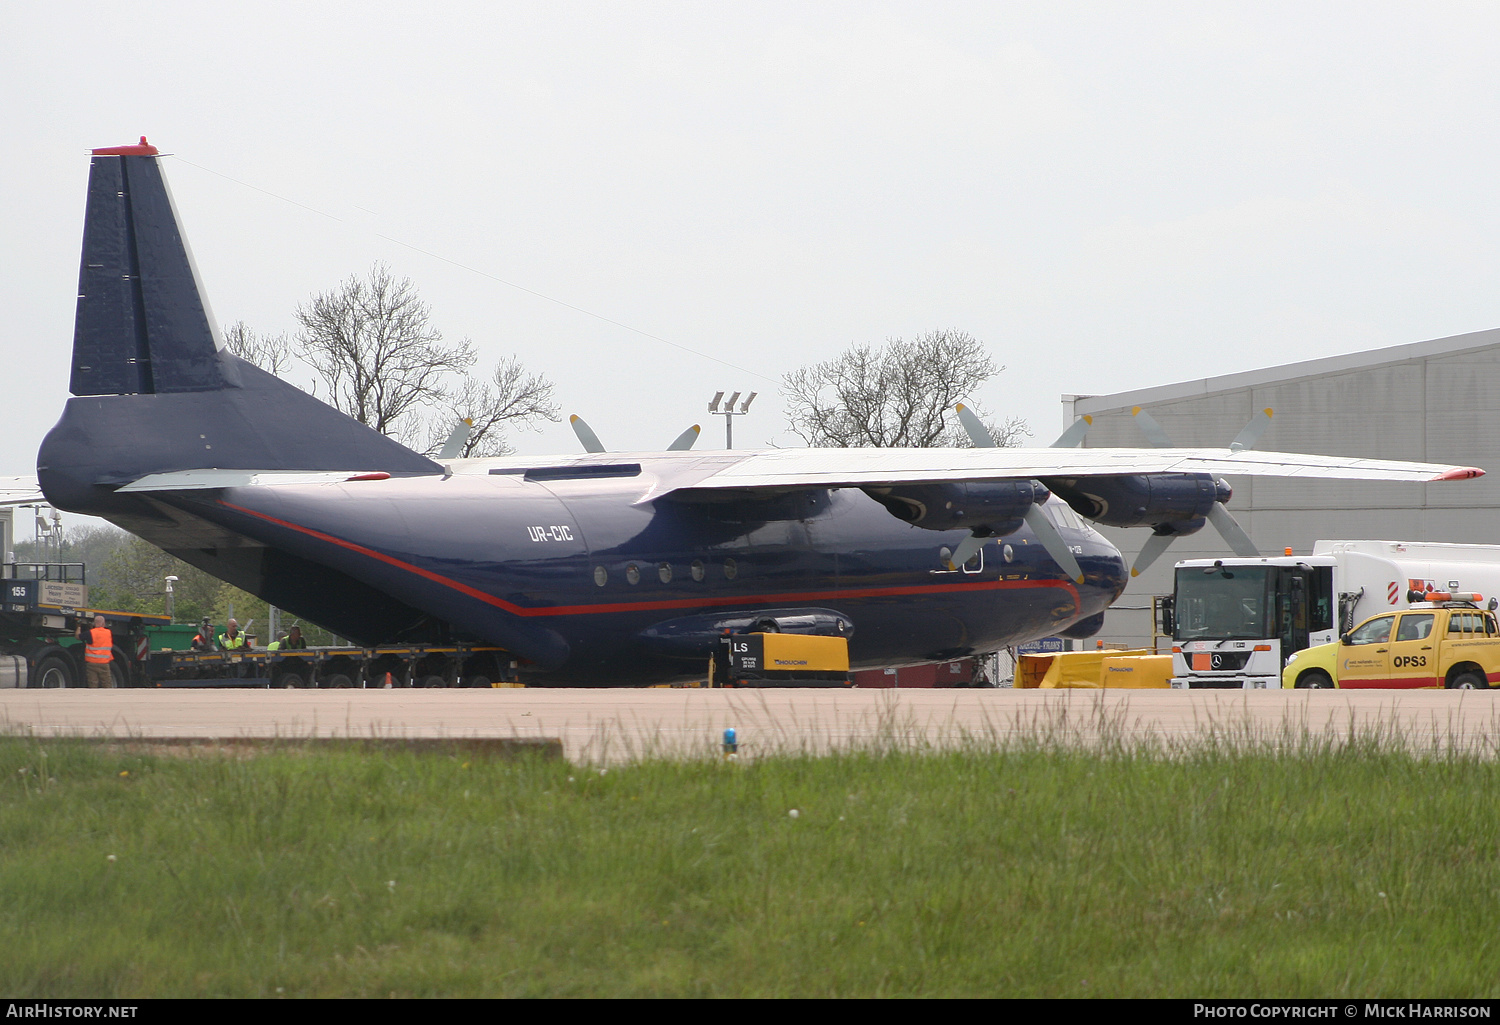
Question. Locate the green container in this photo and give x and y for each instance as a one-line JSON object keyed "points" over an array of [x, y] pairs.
{"points": [[177, 637]]}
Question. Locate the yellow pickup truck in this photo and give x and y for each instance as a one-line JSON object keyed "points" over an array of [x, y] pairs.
{"points": [[1446, 641]]}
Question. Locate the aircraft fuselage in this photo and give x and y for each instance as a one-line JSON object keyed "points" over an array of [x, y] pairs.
{"points": [[573, 575]]}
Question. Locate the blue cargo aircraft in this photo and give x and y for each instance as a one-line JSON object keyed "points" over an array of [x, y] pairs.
{"points": [[594, 569]]}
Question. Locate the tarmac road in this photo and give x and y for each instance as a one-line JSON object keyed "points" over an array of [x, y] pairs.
{"points": [[614, 725]]}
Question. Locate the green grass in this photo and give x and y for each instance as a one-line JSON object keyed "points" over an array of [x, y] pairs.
{"points": [[1335, 868]]}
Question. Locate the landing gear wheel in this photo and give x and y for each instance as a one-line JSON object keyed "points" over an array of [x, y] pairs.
{"points": [[1315, 680], [1468, 680], [53, 672]]}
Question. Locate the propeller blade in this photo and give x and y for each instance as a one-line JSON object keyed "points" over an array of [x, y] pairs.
{"points": [[966, 550], [1230, 530], [1155, 436], [1051, 540], [1073, 436], [976, 430], [586, 435], [457, 440], [1252, 432], [684, 441], [1150, 552]]}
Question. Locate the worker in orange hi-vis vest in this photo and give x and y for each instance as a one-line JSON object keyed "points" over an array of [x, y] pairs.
{"points": [[98, 652]]}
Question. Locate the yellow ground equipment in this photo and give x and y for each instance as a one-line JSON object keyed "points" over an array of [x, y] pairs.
{"points": [[787, 660], [1094, 669]]}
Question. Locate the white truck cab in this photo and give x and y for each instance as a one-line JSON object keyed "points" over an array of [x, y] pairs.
{"points": [[1236, 621]]}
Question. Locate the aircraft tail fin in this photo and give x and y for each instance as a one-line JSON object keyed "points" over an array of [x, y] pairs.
{"points": [[154, 391], [142, 326]]}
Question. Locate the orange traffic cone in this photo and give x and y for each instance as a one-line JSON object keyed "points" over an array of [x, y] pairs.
{"points": [[388, 682]]}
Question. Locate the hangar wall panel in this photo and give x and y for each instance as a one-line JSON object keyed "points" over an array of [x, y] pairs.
{"points": [[1436, 401]]}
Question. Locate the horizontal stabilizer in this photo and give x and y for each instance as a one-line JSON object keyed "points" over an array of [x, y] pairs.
{"points": [[20, 491], [206, 480]]}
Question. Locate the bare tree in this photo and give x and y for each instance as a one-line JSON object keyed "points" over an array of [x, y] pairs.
{"points": [[512, 398], [272, 353], [900, 395], [372, 343]]}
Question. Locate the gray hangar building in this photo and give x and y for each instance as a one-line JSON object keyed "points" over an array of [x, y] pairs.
{"points": [[1435, 401]]}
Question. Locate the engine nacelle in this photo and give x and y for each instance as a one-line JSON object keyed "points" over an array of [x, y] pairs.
{"points": [[1170, 503], [988, 508]]}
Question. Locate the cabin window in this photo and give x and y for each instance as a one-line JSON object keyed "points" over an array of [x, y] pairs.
{"points": [[601, 575], [731, 569], [698, 570], [1376, 631], [1415, 626], [664, 572], [633, 573]]}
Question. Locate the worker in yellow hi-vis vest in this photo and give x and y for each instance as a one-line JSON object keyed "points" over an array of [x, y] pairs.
{"points": [[98, 653]]}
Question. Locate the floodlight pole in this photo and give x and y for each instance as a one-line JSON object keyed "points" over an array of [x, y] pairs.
{"points": [[729, 412]]}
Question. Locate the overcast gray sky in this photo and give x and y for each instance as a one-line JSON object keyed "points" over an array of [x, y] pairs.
{"points": [[1109, 195]]}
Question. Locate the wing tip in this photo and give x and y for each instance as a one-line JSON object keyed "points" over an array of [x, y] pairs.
{"points": [[1460, 473]]}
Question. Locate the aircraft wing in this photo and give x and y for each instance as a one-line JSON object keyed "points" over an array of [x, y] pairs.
{"points": [[20, 491], [681, 474], [867, 467]]}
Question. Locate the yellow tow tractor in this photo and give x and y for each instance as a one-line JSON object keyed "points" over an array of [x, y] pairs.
{"points": [[1444, 639]]}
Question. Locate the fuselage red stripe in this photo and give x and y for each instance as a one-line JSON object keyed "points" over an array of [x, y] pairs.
{"points": [[573, 610]]}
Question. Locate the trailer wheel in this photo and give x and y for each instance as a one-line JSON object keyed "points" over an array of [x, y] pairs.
{"points": [[338, 681], [53, 672], [291, 679], [1315, 679], [1468, 680], [478, 680], [434, 681]]}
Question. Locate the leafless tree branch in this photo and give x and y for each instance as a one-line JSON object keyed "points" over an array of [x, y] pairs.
{"points": [[901, 395], [372, 344], [272, 353], [512, 398]]}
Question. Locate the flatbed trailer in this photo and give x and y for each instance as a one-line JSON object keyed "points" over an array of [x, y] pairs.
{"points": [[416, 665], [39, 648]]}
